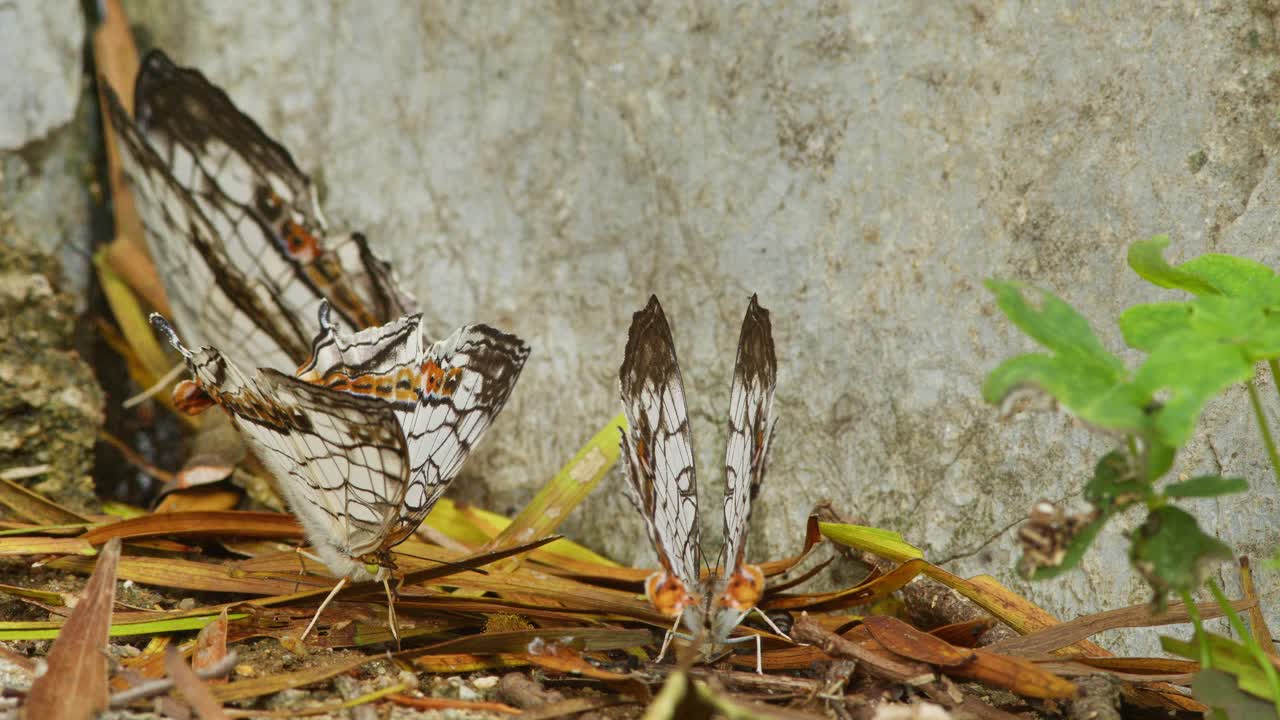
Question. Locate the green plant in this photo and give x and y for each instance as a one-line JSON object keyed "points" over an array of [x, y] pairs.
{"points": [[1195, 349]]}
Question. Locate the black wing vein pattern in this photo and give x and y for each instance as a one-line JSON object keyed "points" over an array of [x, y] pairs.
{"points": [[750, 431], [659, 447]]}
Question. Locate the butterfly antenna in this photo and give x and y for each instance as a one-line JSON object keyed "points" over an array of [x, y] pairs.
{"points": [[460, 567], [324, 312], [164, 328]]}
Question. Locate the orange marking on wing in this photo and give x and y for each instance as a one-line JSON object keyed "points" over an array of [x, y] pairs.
{"points": [[744, 588], [667, 594], [191, 398], [301, 245], [438, 381]]}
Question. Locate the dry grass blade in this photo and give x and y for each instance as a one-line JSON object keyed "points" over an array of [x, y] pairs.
{"points": [[1014, 674], [193, 689], [862, 594], [329, 709], [572, 707], [434, 703], [29, 545], [473, 562], [190, 575], [557, 499], [116, 60], [75, 685], [466, 662], [812, 536], [254, 687], [213, 523], [36, 507], [875, 663], [1061, 635], [1257, 622], [520, 641]]}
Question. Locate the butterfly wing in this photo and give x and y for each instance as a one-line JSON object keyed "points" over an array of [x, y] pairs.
{"points": [[341, 459], [750, 430], [659, 446], [234, 225], [463, 382]]}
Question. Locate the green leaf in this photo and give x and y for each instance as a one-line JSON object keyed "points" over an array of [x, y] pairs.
{"points": [[1081, 374], [1144, 326], [1159, 459], [1075, 550], [885, 543], [1146, 257], [1219, 689], [1054, 324], [1236, 277], [1115, 484], [1228, 656], [1192, 371], [1207, 486], [1173, 554], [1087, 391]]}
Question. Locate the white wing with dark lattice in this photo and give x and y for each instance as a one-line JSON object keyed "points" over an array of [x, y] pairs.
{"points": [[464, 381], [341, 459], [750, 430], [234, 226], [659, 446]]}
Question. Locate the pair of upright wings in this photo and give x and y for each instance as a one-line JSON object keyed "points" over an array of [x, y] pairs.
{"points": [[659, 448], [369, 433], [234, 226]]}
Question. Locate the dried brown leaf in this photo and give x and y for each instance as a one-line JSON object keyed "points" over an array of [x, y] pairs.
{"points": [[1015, 674], [899, 637], [74, 687], [193, 689], [211, 645]]}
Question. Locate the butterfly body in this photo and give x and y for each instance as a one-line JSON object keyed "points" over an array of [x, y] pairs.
{"points": [[660, 473]]}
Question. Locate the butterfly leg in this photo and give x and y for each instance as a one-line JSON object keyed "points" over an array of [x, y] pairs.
{"points": [[310, 556], [391, 612], [759, 657], [323, 605], [667, 639], [772, 626]]}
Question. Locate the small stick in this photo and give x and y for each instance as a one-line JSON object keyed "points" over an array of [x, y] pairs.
{"points": [[151, 688]]}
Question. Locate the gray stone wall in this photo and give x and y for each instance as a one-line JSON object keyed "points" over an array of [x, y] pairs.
{"points": [[862, 166]]}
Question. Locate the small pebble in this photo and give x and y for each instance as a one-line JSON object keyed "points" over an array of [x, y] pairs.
{"points": [[246, 671], [488, 682]]}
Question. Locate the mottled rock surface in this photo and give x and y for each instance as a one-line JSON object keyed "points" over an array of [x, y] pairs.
{"points": [[862, 166], [50, 402]]}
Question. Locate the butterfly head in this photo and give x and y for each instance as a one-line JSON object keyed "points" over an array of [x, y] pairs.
{"points": [[668, 594]]}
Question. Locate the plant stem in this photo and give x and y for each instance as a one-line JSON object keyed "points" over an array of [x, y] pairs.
{"points": [[1260, 657], [1202, 640], [1267, 440], [1275, 373]]}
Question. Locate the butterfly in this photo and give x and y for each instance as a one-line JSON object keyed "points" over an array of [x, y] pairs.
{"points": [[660, 473], [367, 435], [234, 226]]}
